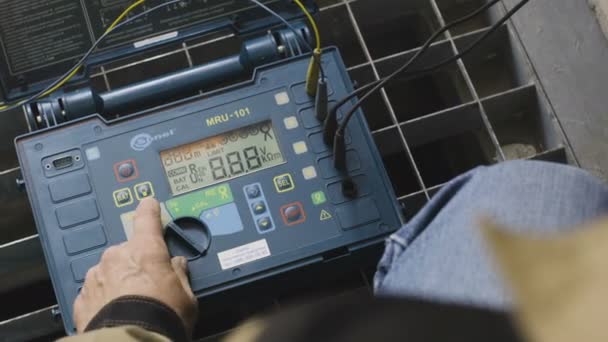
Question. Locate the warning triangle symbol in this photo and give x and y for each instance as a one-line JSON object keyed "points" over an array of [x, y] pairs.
{"points": [[325, 215]]}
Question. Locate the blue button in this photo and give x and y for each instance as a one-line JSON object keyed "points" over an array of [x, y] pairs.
{"points": [[83, 239], [77, 212], [264, 223], [259, 208], [82, 265], [253, 191]]}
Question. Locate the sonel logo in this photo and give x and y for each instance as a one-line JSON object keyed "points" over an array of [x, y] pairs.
{"points": [[143, 140]]}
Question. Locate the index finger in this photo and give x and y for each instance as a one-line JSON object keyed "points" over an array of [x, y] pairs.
{"points": [[147, 220]]}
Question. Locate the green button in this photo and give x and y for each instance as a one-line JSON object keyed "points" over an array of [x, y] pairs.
{"points": [[193, 204], [318, 198]]}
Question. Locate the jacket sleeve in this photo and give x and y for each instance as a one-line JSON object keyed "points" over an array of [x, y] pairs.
{"points": [[148, 314], [123, 334]]}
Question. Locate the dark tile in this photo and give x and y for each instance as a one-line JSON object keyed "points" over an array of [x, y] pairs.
{"points": [[93, 70], [403, 25], [491, 75], [99, 84], [368, 273], [323, 296], [442, 160], [325, 285], [519, 128], [257, 305], [375, 109], [396, 162], [518, 119], [337, 30], [452, 10], [559, 156], [412, 204], [493, 65], [26, 299], [12, 124], [428, 93], [359, 292], [212, 322], [16, 219], [434, 190], [325, 3]]}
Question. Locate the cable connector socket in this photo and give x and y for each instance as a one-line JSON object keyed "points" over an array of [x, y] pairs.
{"points": [[350, 188], [340, 152], [321, 101], [312, 76]]}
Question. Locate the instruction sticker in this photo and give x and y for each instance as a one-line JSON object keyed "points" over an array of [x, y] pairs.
{"points": [[154, 40], [244, 254]]}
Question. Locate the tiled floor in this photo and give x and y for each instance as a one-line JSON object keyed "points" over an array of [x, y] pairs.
{"points": [[428, 129]]}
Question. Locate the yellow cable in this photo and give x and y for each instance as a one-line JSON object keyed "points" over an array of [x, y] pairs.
{"points": [[313, 23], [124, 14], [110, 28], [312, 76]]}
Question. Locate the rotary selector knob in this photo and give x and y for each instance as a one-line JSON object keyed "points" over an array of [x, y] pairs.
{"points": [[188, 237]]}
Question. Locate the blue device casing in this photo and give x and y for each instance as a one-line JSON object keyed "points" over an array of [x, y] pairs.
{"points": [[78, 215]]}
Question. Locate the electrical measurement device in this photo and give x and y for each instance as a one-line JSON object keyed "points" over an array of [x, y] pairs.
{"points": [[246, 182], [243, 176]]}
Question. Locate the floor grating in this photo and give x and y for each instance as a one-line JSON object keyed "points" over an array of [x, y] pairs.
{"points": [[485, 109]]}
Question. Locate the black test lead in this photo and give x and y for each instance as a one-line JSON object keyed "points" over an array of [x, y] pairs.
{"points": [[340, 151], [321, 100]]}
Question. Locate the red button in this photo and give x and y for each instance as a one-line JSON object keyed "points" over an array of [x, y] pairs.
{"points": [[126, 171], [293, 213]]}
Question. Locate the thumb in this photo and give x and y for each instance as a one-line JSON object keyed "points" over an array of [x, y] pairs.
{"points": [[180, 266]]}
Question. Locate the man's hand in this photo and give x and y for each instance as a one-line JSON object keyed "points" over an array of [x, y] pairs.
{"points": [[140, 267]]}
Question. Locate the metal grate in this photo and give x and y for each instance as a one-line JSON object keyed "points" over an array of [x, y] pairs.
{"points": [[485, 109]]}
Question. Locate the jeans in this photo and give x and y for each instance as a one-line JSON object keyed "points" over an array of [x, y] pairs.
{"points": [[440, 255]]}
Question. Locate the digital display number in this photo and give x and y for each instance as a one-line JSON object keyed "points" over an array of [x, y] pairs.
{"points": [[221, 158]]}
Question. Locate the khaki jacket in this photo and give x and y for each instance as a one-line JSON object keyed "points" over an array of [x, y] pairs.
{"points": [[119, 334], [559, 286]]}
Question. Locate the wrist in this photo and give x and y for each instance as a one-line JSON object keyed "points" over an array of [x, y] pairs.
{"points": [[145, 312]]}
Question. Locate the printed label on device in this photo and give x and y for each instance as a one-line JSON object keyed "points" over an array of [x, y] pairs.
{"points": [[244, 254]]}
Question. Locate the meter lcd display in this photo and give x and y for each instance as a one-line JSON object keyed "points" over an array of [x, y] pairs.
{"points": [[221, 158]]}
